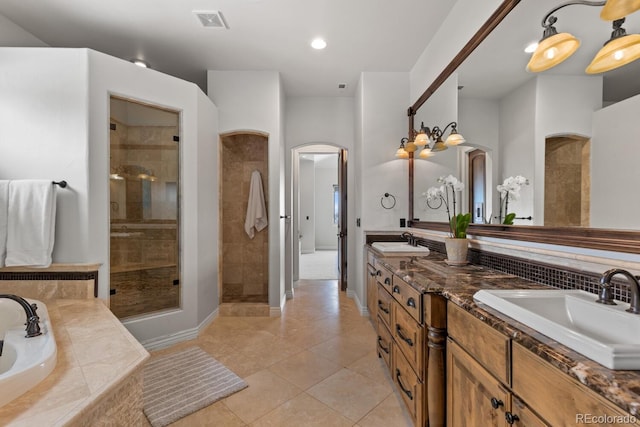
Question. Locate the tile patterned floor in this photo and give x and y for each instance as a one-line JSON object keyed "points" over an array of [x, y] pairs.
{"points": [[316, 365]]}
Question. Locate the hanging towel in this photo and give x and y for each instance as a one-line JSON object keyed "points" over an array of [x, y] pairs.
{"points": [[256, 211], [31, 223], [4, 209]]}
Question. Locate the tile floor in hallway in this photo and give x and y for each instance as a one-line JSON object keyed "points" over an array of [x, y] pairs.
{"points": [[316, 365]]}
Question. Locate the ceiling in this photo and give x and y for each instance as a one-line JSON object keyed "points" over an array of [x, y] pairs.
{"points": [[498, 65], [362, 35]]}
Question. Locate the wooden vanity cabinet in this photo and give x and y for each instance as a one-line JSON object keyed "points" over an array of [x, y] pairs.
{"points": [[411, 339], [372, 291], [492, 381]]}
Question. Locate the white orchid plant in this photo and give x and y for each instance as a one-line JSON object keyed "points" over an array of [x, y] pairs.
{"points": [[510, 190], [438, 196]]}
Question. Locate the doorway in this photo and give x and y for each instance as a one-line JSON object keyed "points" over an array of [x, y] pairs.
{"points": [[144, 190], [319, 214], [567, 181]]}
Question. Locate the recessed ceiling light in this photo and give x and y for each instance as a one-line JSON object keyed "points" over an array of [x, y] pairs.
{"points": [[318, 44], [531, 47], [141, 63]]}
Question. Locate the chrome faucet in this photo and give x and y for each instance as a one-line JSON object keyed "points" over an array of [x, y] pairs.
{"points": [[605, 296], [411, 239], [33, 327]]}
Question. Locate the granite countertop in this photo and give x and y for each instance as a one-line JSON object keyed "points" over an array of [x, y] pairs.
{"points": [[430, 274], [95, 354]]}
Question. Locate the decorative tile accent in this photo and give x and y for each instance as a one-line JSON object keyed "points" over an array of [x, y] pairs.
{"points": [[547, 274], [54, 289]]}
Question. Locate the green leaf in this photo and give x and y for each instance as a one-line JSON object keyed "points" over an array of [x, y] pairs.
{"points": [[508, 219], [459, 224]]}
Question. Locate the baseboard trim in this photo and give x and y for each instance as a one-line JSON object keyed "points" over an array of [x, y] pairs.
{"points": [[277, 311], [362, 309], [188, 334]]}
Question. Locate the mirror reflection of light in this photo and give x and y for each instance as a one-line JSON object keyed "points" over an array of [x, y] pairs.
{"points": [[531, 47]]}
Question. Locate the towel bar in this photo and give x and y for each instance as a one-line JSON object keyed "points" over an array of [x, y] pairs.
{"points": [[62, 184]]}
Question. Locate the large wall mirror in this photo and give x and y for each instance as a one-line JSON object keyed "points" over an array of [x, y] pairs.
{"points": [[569, 133]]}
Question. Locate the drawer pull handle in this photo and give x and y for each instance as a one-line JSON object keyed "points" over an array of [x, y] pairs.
{"points": [[396, 289], [511, 418], [407, 392], [402, 337], [378, 273], [495, 403], [411, 302], [380, 342], [387, 281], [382, 307]]}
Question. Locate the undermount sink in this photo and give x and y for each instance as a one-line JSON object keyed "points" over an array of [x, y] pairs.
{"points": [[606, 334], [400, 248]]}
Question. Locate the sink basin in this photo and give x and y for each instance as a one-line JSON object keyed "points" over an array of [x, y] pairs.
{"points": [[606, 334], [400, 249]]}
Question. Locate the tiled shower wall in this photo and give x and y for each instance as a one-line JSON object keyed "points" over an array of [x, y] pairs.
{"points": [[245, 261]]}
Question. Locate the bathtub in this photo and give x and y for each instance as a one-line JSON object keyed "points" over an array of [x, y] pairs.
{"points": [[24, 362]]}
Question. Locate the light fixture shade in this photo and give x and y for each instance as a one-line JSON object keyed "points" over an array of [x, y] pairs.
{"points": [[616, 9], [454, 139], [616, 53], [551, 51], [439, 146], [425, 153], [421, 139], [410, 147], [402, 153]]}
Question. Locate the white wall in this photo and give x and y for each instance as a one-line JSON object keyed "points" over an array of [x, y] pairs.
{"points": [[615, 199], [55, 126], [307, 214], [254, 101], [464, 20], [517, 146], [326, 176], [381, 105]]}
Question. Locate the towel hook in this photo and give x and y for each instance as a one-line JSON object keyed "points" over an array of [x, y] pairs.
{"points": [[61, 184], [392, 201]]}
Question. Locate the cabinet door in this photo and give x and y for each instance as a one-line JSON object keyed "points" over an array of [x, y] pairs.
{"points": [[372, 292], [474, 397]]}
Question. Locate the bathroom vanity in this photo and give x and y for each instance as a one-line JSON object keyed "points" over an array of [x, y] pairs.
{"points": [[459, 363]]}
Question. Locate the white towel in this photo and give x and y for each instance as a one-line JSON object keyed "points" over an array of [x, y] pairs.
{"points": [[4, 210], [256, 211], [31, 223]]}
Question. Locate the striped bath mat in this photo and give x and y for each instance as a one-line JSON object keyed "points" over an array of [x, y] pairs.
{"points": [[178, 384]]}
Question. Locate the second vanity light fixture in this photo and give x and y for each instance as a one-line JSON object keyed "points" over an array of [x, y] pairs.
{"points": [[424, 136], [619, 50]]}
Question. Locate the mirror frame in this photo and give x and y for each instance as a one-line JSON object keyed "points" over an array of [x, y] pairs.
{"points": [[627, 241]]}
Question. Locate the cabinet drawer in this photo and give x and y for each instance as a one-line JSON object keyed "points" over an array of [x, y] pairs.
{"points": [[554, 395], [481, 341], [384, 276], [409, 298], [384, 305], [409, 338], [409, 386], [385, 343]]}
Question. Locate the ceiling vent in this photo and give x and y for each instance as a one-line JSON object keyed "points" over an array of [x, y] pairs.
{"points": [[211, 19]]}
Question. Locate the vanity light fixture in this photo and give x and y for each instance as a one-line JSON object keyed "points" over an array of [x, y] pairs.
{"points": [[616, 9], [555, 47], [402, 152], [425, 135]]}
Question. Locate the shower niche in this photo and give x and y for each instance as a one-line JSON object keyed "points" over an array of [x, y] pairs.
{"points": [[144, 209], [245, 261]]}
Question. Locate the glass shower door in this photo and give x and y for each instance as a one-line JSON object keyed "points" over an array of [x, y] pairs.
{"points": [[144, 208]]}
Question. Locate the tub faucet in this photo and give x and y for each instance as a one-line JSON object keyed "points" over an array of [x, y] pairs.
{"points": [[33, 327], [605, 296], [411, 239]]}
